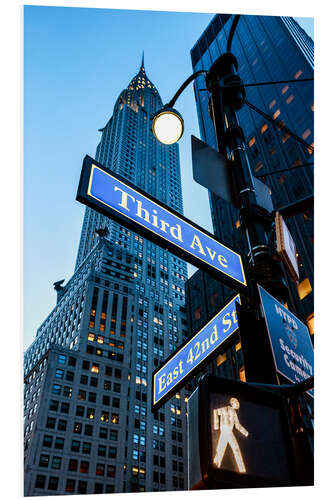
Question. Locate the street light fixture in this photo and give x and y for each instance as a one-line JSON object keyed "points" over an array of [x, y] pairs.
{"points": [[168, 125]]}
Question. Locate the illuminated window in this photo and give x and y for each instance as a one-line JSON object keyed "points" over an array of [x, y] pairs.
{"points": [[306, 133], [298, 74], [258, 166], [93, 312], [102, 327], [95, 368], [252, 141], [91, 337], [284, 90], [100, 339], [271, 104], [105, 416], [264, 128], [197, 313], [220, 359], [103, 315], [304, 288], [242, 374], [310, 323], [290, 99], [237, 224], [276, 114], [238, 346], [285, 137]]}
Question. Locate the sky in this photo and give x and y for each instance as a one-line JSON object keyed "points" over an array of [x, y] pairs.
{"points": [[76, 63]]}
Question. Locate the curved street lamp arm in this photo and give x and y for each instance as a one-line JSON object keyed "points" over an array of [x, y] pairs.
{"points": [[232, 31], [183, 87]]}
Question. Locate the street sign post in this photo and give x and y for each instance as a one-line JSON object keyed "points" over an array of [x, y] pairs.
{"points": [[290, 340], [196, 351], [239, 436], [117, 198]]}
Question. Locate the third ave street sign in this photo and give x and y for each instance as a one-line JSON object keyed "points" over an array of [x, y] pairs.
{"points": [[117, 198]]}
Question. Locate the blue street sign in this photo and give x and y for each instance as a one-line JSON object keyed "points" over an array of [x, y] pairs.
{"points": [[290, 340], [110, 194], [173, 374]]}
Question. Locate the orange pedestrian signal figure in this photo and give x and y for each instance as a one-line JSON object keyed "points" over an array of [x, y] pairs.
{"points": [[225, 419]]}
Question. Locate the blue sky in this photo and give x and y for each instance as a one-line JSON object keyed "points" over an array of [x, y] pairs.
{"points": [[76, 62]]}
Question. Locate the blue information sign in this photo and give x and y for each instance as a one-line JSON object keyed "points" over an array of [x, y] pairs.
{"points": [[290, 340], [108, 193], [168, 378]]}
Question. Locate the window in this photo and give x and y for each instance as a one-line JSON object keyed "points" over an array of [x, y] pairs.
{"points": [[59, 373], [101, 452], [56, 462], [72, 464], [115, 418], [86, 448], [107, 385], [54, 405], [70, 485], [113, 435], [98, 488], [104, 416], [112, 452], [40, 481], [79, 411], [310, 323], [50, 422], [62, 425], [90, 413], [111, 471], [84, 380], [108, 370], [93, 381], [67, 392], [71, 361], [77, 428], [70, 376], [47, 441], [56, 389], [75, 445], [84, 467], [95, 368], [59, 443], [44, 460], [88, 430], [53, 483], [92, 397], [85, 365], [82, 395], [62, 359], [298, 74], [64, 407], [116, 387], [304, 288], [82, 487], [106, 400], [115, 402], [100, 469], [103, 432]]}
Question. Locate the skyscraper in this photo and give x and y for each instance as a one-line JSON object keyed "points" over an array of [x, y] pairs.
{"points": [[88, 425], [268, 49]]}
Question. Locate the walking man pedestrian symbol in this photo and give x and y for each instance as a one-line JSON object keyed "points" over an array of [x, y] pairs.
{"points": [[225, 419]]}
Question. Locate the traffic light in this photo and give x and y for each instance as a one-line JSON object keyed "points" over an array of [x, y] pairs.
{"points": [[239, 436]]}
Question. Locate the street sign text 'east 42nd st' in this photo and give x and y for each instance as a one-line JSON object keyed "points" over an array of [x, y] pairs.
{"points": [[117, 198], [200, 348]]}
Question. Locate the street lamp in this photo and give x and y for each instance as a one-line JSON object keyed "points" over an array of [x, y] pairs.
{"points": [[168, 125]]}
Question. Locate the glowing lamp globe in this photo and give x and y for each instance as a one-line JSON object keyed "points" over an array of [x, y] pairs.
{"points": [[168, 125]]}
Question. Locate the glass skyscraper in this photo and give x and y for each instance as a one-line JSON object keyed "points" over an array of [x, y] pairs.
{"points": [[88, 426], [268, 49]]}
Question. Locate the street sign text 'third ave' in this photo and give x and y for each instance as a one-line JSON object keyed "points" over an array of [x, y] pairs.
{"points": [[117, 198]]}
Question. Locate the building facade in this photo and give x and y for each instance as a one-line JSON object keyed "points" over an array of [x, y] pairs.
{"points": [[88, 424], [268, 49]]}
